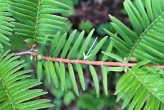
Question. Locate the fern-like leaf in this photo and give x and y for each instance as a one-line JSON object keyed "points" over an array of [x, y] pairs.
{"points": [[16, 85], [146, 42], [36, 20], [141, 87], [65, 48], [5, 25]]}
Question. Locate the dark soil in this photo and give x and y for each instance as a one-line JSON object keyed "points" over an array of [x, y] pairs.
{"points": [[97, 11]]}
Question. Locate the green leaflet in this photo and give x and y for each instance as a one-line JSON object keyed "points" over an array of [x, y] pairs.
{"points": [[140, 64], [97, 48], [124, 36], [62, 74], [39, 70], [119, 44], [130, 95], [38, 105], [114, 56], [59, 46], [142, 100], [109, 49], [81, 76], [85, 44], [152, 51], [132, 35], [33, 93], [73, 80], [56, 3], [47, 70], [2, 55], [76, 45], [68, 43], [43, 49], [125, 87], [115, 69], [157, 107], [137, 97], [133, 17], [142, 11], [95, 79], [104, 79], [150, 102], [53, 73], [4, 60], [54, 43]]}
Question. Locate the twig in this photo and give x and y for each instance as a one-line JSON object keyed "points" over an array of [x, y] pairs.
{"points": [[120, 64], [28, 52]]}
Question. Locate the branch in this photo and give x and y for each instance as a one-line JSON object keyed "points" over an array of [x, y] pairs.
{"points": [[31, 52], [120, 64]]}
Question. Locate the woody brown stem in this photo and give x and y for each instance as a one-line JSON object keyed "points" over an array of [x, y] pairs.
{"points": [[27, 53], [118, 64]]}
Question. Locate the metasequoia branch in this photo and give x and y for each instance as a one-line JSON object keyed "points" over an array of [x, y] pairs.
{"points": [[118, 64]]}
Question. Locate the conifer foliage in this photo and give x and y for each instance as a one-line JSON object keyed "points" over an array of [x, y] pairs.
{"points": [[59, 53]]}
